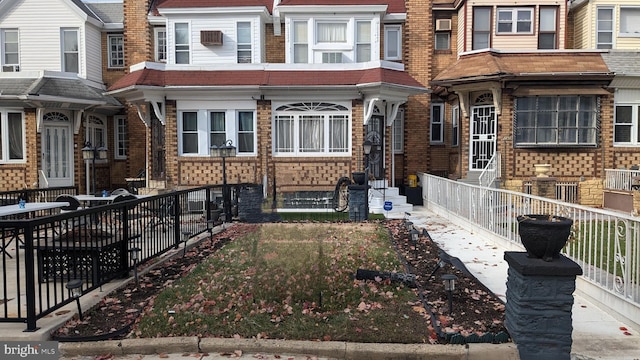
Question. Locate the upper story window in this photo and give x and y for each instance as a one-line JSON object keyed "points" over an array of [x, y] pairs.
{"points": [[70, 50], [547, 28], [120, 137], [515, 21], [199, 130], [393, 42], [312, 128], [604, 27], [341, 40], [630, 21], [182, 43], [554, 121], [160, 50], [437, 123], [12, 144], [9, 50], [443, 34], [300, 36], [626, 126], [116, 50], [244, 42], [481, 28]]}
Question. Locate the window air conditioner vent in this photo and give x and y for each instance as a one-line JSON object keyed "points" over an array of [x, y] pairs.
{"points": [[211, 37], [443, 25], [10, 68]]}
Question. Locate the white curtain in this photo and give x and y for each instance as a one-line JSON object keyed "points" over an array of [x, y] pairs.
{"points": [[284, 134], [332, 32], [311, 133]]}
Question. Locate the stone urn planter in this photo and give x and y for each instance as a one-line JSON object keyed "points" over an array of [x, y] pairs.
{"points": [[544, 236], [542, 170], [359, 178]]}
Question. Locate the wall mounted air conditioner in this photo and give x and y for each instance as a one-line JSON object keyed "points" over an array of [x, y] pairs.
{"points": [[443, 25], [211, 37], [10, 68]]}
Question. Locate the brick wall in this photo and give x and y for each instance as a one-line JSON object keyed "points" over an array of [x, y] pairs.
{"points": [[275, 45]]}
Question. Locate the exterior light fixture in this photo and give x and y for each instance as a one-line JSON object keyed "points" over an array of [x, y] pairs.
{"points": [[135, 255], [449, 285], [413, 236], [366, 148], [409, 225], [75, 289], [92, 153], [185, 238], [224, 151]]}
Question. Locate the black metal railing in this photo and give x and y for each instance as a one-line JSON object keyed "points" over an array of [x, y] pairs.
{"points": [[35, 195], [43, 252]]}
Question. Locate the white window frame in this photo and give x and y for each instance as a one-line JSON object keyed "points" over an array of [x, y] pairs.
{"points": [[393, 52], [116, 56], [363, 40], [204, 130], [6, 142], [601, 29], [7, 66], [455, 126], [442, 34], [436, 127], [244, 47], [632, 21], [398, 133], [515, 21], [633, 126], [296, 113], [120, 137], [160, 44], [180, 48], [300, 44], [96, 128], [64, 52]]}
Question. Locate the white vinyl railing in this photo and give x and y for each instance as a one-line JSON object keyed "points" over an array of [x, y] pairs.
{"points": [[606, 244], [621, 179], [491, 171]]}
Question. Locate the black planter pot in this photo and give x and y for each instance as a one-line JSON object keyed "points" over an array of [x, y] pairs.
{"points": [[359, 178], [543, 236]]}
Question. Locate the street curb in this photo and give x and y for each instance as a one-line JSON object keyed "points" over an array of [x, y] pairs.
{"points": [[329, 349]]}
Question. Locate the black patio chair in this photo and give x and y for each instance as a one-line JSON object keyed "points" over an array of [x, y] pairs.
{"points": [[162, 212]]}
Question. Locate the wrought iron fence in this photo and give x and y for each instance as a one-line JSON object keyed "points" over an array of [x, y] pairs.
{"points": [[35, 195], [606, 244], [44, 251]]}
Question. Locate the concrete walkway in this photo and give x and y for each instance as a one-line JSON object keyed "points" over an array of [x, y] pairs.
{"points": [[596, 334]]}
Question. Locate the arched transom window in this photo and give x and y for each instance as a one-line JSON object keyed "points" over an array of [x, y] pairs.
{"points": [[312, 128]]}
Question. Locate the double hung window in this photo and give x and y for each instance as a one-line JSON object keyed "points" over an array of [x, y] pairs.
{"points": [[312, 128], [70, 50], [398, 133], [12, 142], [630, 21], [300, 42], [244, 42], [392, 42], [160, 50], [437, 123], [626, 127], [9, 50], [515, 21], [455, 126], [116, 50], [481, 28], [547, 33], [363, 41], [604, 27], [556, 121], [182, 45]]}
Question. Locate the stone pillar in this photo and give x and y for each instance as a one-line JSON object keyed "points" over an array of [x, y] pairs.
{"points": [[539, 303], [357, 202], [544, 186]]}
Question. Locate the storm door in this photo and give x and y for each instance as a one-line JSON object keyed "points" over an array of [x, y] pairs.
{"points": [[57, 149], [482, 144], [375, 134], [158, 149]]}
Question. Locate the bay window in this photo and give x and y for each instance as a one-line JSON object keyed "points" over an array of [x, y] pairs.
{"points": [[198, 130], [556, 121], [363, 41], [12, 144], [312, 128], [300, 42], [182, 43], [481, 28], [515, 21], [243, 42]]}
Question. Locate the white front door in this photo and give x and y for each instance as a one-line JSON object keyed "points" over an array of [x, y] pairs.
{"points": [[483, 136], [57, 153]]}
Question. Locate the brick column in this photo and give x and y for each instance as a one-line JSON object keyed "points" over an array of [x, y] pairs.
{"points": [[539, 303], [544, 186]]}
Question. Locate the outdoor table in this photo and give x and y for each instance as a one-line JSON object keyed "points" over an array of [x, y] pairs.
{"points": [[29, 208]]}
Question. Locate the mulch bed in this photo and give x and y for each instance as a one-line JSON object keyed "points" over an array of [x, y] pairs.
{"points": [[477, 314]]}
